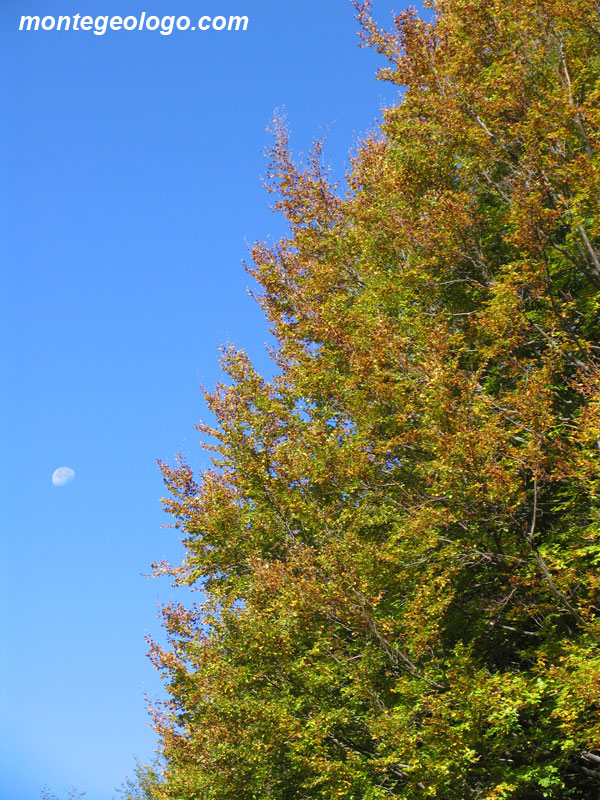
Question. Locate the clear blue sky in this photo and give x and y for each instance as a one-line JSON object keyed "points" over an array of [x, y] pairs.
{"points": [[130, 177]]}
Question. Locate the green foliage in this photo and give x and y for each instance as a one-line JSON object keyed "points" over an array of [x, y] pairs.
{"points": [[399, 536], [145, 784]]}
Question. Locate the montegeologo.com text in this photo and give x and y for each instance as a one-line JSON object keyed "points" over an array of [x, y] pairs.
{"points": [[101, 25]]}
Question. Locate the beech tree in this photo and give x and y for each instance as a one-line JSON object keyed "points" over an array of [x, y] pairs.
{"points": [[398, 539]]}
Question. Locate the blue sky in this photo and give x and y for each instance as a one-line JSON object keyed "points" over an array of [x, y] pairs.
{"points": [[130, 177]]}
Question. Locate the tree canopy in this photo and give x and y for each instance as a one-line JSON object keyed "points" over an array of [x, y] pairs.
{"points": [[399, 537]]}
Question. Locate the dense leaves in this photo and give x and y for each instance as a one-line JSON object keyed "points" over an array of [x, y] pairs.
{"points": [[400, 535]]}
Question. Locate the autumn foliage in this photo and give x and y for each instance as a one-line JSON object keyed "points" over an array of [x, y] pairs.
{"points": [[399, 538]]}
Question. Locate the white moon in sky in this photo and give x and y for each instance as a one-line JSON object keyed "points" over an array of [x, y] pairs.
{"points": [[62, 476]]}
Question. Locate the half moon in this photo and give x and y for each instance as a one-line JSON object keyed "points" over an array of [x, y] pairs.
{"points": [[62, 476]]}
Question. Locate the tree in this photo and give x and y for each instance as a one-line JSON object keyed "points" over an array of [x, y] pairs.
{"points": [[145, 784], [72, 794], [399, 536]]}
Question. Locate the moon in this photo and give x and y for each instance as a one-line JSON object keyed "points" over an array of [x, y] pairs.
{"points": [[62, 476]]}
